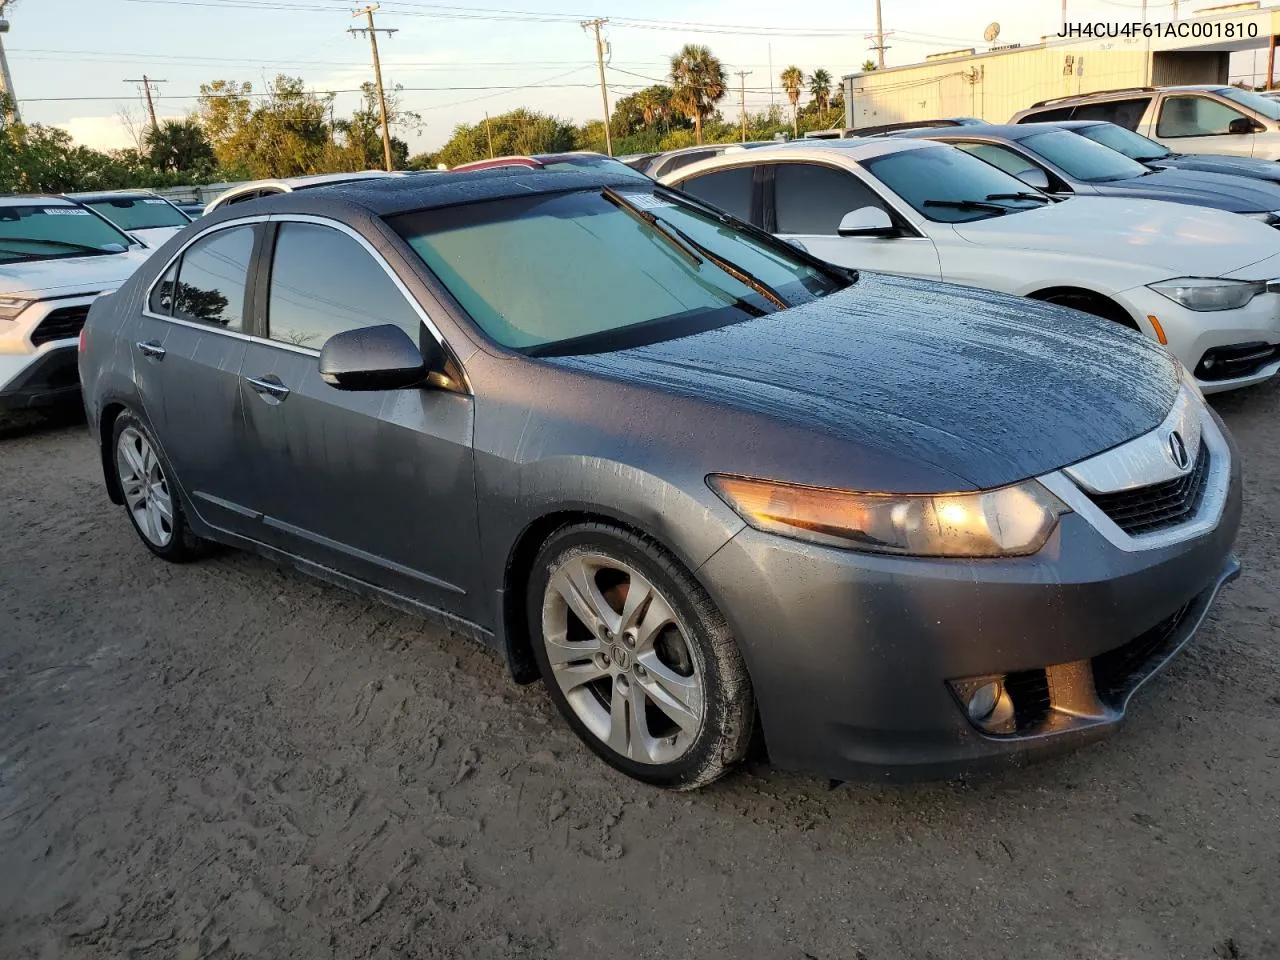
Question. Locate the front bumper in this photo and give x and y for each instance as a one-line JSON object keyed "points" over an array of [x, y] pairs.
{"points": [[852, 655], [38, 353]]}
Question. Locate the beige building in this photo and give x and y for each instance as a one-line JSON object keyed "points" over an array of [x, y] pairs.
{"points": [[996, 84]]}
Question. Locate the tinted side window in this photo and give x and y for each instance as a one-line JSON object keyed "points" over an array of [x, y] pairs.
{"points": [[161, 301], [672, 164], [1123, 113], [1194, 117], [212, 278], [730, 190], [1048, 116], [999, 157], [323, 282], [812, 199]]}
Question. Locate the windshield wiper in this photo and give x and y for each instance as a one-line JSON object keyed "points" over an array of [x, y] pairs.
{"points": [[60, 243], [1020, 196], [968, 205], [693, 249]]}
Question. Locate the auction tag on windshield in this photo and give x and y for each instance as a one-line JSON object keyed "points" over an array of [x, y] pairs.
{"points": [[156, 202], [646, 201], [67, 212]]}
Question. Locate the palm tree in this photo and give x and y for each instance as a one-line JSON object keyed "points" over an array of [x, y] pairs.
{"points": [[868, 66], [820, 89], [698, 83], [179, 145], [792, 80], [654, 103]]}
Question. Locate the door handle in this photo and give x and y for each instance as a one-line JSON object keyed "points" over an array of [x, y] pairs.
{"points": [[151, 350], [270, 389]]}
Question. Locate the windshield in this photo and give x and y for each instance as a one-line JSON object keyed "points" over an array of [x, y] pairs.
{"points": [[1264, 106], [937, 175], [578, 273], [1083, 159], [1132, 145], [138, 213], [48, 231]]}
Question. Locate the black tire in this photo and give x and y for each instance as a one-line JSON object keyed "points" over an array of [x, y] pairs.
{"points": [[181, 545], [1096, 305], [703, 637]]}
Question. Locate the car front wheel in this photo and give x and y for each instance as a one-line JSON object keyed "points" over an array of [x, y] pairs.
{"points": [[150, 496], [637, 658]]}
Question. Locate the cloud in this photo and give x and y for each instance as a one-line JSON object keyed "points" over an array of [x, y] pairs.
{"points": [[101, 133]]}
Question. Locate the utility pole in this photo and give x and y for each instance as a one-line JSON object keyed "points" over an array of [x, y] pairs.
{"points": [[151, 106], [742, 91], [771, 100], [1064, 14], [595, 25], [6, 79], [488, 132], [373, 32], [879, 37]]}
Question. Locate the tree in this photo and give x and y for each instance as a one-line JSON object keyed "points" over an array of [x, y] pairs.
{"points": [[868, 66], [655, 105], [180, 146], [792, 81], [363, 132], [820, 88], [698, 83], [519, 132], [287, 134]]}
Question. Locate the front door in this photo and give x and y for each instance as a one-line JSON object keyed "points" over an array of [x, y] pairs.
{"points": [[377, 485], [810, 200], [187, 349], [1198, 124]]}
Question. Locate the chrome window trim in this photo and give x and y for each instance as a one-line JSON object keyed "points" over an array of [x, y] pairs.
{"points": [[1207, 517], [297, 218], [1144, 460]]}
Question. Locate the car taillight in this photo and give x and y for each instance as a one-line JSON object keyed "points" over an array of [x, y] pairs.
{"points": [[83, 332]]}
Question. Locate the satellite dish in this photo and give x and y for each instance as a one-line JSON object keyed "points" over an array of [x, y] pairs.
{"points": [[992, 31]]}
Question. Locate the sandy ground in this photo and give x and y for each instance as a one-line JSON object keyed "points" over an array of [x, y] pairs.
{"points": [[230, 760]]}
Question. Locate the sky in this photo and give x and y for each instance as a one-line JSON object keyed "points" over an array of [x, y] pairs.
{"points": [[74, 61]]}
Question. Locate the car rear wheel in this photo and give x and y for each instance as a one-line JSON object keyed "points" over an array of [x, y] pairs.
{"points": [[637, 658], [150, 497]]}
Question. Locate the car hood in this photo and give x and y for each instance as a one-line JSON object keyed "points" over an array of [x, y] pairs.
{"points": [[1219, 190], [1237, 166], [68, 276], [983, 386], [1175, 239]]}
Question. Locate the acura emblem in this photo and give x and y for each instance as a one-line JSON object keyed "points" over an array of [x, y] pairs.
{"points": [[1178, 451]]}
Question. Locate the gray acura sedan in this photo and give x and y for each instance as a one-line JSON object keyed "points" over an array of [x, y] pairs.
{"points": [[689, 476]]}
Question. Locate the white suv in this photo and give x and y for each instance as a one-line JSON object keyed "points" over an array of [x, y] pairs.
{"points": [[1202, 282], [1202, 118], [56, 258]]}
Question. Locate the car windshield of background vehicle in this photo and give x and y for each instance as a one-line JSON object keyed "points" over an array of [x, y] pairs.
{"points": [[1133, 145], [581, 274], [41, 231], [1083, 159], [1263, 106], [965, 185], [139, 213]]}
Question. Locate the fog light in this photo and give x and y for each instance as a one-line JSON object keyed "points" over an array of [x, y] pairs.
{"points": [[983, 702]]}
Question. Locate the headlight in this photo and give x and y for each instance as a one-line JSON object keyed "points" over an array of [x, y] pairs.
{"points": [[10, 307], [1009, 522], [1206, 293]]}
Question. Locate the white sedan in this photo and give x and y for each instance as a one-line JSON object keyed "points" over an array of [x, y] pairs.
{"points": [[1204, 282]]}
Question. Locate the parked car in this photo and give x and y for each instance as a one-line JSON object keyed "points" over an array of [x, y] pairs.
{"points": [[150, 218], [1196, 279], [637, 161], [1146, 151], [56, 257], [676, 467], [667, 163], [1199, 118], [194, 211], [269, 188], [1063, 164], [577, 160], [880, 129]]}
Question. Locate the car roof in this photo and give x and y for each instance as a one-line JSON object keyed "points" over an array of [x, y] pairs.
{"points": [[87, 196], [390, 196], [851, 148], [1005, 131], [43, 199]]}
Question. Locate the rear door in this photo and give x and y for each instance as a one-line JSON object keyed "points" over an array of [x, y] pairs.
{"points": [[188, 347], [805, 202], [1196, 123], [377, 485], [735, 190], [1127, 113]]}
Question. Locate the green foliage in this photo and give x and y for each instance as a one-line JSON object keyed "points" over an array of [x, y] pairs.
{"points": [[868, 66], [698, 83], [519, 132], [180, 146]]}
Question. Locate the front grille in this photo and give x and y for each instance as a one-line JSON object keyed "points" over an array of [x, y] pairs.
{"points": [[1029, 691], [1159, 505], [64, 323], [1116, 671]]}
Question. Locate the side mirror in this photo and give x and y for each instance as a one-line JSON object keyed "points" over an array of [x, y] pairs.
{"points": [[1035, 177], [866, 222], [373, 358], [1244, 125]]}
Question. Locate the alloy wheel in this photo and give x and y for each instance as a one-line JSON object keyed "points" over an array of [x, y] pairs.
{"points": [[622, 658], [146, 491]]}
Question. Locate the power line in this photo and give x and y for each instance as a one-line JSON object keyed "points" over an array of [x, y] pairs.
{"points": [[594, 26], [373, 32], [151, 106]]}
